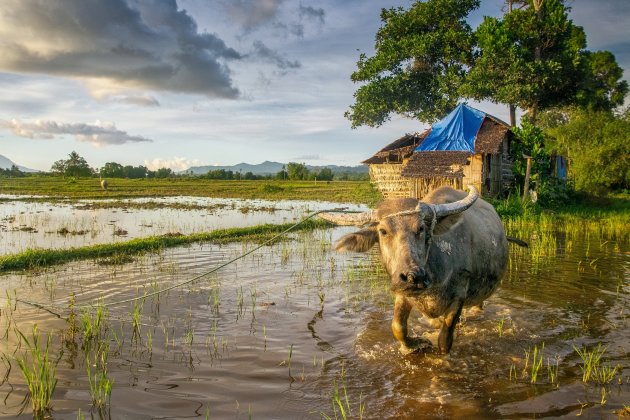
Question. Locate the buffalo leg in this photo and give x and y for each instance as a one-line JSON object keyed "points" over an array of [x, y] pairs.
{"points": [[445, 339], [402, 308]]}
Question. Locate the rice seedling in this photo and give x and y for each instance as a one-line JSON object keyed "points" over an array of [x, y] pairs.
{"points": [[536, 362], [341, 405], [39, 372], [592, 369], [100, 383], [552, 370], [500, 326], [512, 372], [136, 318], [149, 341]]}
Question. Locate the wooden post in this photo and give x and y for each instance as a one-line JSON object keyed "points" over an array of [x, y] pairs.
{"points": [[527, 174]]}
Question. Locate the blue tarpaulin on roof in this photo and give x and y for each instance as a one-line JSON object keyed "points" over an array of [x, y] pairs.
{"points": [[456, 131]]}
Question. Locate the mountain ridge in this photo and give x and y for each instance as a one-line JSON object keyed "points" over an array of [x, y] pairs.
{"points": [[270, 168], [6, 163]]}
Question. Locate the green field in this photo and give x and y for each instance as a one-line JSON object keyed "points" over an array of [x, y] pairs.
{"points": [[89, 188]]}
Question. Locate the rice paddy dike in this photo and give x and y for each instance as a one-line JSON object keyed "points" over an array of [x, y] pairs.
{"points": [[293, 330]]}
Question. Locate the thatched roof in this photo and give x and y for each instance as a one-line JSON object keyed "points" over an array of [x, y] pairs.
{"points": [[444, 163], [490, 135], [398, 150], [444, 158]]}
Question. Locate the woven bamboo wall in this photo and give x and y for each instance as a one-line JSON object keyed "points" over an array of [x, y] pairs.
{"points": [[388, 180], [473, 173], [423, 186]]}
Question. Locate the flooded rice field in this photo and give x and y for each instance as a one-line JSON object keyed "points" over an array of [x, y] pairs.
{"points": [[295, 330], [36, 223]]}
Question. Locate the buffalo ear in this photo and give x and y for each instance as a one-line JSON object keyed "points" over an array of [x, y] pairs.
{"points": [[360, 241]]}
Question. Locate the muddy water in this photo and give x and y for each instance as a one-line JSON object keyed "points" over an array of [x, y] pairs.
{"points": [[276, 335], [35, 224]]}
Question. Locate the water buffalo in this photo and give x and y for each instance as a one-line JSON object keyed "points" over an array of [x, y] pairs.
{"points": [[443, 253]]}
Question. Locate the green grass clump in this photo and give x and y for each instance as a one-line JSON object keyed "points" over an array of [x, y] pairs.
{"points": [[39, 372], [39, 258], [592, 368]]}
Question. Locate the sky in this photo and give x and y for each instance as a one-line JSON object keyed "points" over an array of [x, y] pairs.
{"points": [[180, 83]]}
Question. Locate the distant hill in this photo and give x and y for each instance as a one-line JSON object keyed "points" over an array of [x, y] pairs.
{"points": [[6, 163], [271, 168]]}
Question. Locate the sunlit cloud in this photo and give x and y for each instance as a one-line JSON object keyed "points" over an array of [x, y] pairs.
{"points": [[99, 133], [176, 163]]}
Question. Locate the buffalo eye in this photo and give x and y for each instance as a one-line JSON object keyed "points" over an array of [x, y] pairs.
{"points": [[382, 231], [420, 229]]}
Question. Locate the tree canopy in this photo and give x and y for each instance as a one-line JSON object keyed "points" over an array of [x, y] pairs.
{"points": [[596, 143], [427, 58], [420, 59], [75, 166]]}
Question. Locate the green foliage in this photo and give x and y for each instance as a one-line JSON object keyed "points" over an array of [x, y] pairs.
{"points": [[14, 172], [596, 144], [297, 171], [531, 58], [530, 141], [164, 173], [427, 57], [602, 87], [75, 166], [420, 59], [112, 170]]}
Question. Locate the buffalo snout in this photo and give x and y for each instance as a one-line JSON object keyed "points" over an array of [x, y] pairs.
{"points": [[417, 277]]}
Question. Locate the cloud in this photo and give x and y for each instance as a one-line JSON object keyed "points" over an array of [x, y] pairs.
{"points": [[176, 163], [306, 157], [116, 45], [265, 53], [251, 14], [99, 133], [312, 13]]}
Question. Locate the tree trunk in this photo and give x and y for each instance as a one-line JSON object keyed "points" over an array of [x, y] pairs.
{"points": [[512, 115], [532, 112], [527, 174]]}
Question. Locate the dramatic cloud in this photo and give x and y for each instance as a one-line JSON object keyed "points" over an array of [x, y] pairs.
{"points": [[176, 164], [99, 134], [115, 44]]}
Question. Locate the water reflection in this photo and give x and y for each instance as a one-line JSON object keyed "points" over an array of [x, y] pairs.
{"points": [[59, 224], [283, 332]]}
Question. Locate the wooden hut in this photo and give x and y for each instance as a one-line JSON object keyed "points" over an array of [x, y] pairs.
{"points": [[386, 165], [466, 147]]}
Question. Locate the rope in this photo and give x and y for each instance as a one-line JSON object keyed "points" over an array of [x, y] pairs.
{"points": [[53, 306]]}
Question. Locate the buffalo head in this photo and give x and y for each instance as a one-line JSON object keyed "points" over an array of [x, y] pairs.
{"points": [[404, 230]]}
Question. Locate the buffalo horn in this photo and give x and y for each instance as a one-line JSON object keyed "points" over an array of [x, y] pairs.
{"points": [[350, 219], [443, 210]]}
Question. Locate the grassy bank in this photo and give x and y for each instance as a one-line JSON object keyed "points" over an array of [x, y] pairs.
{"points": [[121, 251], [89, 188]]}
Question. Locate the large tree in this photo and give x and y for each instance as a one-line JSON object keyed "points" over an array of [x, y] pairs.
{"points": [[75, 166], [602, 87], [427, 58], [420, 59], [533, 58]]}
